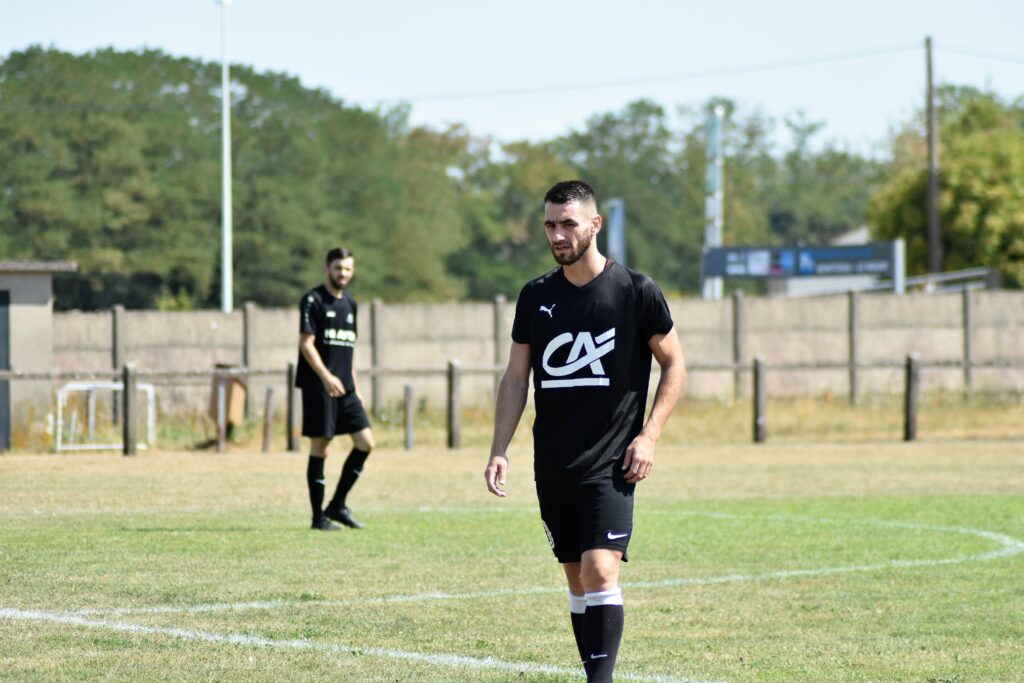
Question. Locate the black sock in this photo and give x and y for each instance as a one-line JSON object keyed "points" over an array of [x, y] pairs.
{"points": [[315, 481], [577, 607], [349, 473], [602, 633]]}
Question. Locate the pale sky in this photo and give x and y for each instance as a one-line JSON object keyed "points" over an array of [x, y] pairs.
{"points": [[368, 53]]}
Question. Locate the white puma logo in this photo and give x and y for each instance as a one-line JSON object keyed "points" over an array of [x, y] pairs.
{"points": [[549, 311]]}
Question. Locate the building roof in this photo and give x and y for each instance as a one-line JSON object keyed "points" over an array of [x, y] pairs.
{"points": [[38, 266], [861, 235]]}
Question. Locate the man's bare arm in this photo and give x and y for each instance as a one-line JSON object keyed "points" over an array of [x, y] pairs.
{"points": [[512, 393], [307, 347], [640, 454]]}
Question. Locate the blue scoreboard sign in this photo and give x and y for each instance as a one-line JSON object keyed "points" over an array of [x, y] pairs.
{"points": [[879, 258]]}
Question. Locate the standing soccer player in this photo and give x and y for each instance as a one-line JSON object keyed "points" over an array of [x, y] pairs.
{"points": [[587, 331], [331, 404]]}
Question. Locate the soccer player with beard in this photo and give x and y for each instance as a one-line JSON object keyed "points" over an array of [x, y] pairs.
{"points": [[331, 404], [587, 331]]}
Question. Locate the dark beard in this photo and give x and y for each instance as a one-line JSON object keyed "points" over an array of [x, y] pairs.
{"points": [[573, 256], [337, 284]]}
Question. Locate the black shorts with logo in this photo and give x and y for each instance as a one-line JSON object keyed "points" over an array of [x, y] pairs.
{"points": [[327, 417], [581, 517]]}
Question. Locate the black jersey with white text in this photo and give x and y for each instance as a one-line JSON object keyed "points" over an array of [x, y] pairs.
{"points": [[591, 366], [332, 321]]}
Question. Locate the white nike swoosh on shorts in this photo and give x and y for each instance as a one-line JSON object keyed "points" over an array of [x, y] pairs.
{"points": [[615, 537]]}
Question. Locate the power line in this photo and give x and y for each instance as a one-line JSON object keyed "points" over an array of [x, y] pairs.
{"points": [[982, 54], [668, 78]]}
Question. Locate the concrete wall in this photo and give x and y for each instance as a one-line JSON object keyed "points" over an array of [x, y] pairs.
{"points": [[797, 331], [428, 335], [706, 331]]}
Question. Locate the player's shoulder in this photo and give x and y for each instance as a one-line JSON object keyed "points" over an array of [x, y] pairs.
{"points": [[314, 296], [548, 279], [637, 280]]}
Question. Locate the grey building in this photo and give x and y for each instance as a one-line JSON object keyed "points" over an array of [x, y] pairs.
{"points": [[26, 343]]}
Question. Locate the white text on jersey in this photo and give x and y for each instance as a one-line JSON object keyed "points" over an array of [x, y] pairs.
{"points": [[585, 351]]}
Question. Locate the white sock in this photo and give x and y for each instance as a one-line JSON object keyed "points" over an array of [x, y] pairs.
{"points": [[612, 596]]}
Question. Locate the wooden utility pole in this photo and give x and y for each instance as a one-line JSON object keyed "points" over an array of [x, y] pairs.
{"points": [[934, 243]]}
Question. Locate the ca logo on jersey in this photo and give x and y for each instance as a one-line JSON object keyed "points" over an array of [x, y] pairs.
{"points": [[586, 350]]}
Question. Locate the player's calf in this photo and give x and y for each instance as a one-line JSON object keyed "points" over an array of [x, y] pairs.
{"points": [[602, 632]]}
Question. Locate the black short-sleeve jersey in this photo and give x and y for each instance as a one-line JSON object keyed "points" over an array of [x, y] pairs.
{"points": [[333, 323], [591, 367]]}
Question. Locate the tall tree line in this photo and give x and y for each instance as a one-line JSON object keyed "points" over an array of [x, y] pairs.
{"points": [[112, 159]]}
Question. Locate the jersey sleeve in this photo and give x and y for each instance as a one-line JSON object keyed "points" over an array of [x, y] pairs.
{"points": [[355, 316], [309, 315], [654, 315], [521, 324]]}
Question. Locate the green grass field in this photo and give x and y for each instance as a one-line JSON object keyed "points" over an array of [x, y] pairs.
{"points": [[869, 561]]}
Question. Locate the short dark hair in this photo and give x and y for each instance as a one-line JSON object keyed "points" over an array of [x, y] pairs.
{"points": [[335, 254], [570, 191]]}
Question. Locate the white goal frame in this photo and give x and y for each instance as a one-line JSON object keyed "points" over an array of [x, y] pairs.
{"points": [[67, 389]]}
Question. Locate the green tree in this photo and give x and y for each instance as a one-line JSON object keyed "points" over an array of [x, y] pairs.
{"points": [[634, 154], [981, 187], [501, 206], [819, 195], [112, 159]]}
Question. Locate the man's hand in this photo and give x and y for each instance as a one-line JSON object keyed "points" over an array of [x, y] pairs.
{"points": [[494, 475], [333, 386], [639, 459]]}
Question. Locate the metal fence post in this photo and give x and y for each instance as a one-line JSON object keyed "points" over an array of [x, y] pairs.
{"points": [[129, 430], [268, 418], [454, 437], [291, 428], [853, 328], [221, 382], [408, 412], [376, 357], [968, 355], [737, 343], [910, 400], [994, 280], [500, 339], [760, 425], [116, 353], [248, 356], [90, 408]]}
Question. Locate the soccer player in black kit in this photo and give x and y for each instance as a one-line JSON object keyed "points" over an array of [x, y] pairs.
{"points": [[331, 404], [587, 330]]}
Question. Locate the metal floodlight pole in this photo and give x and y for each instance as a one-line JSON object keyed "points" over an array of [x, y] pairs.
{"points": [[899, 266], [617, 230], [226, 276], [934, 233], [713, 226]]}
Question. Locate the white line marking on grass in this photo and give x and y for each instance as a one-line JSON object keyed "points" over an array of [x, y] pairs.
{"points": [[189, 609], [439, 659], [1009, 547]]}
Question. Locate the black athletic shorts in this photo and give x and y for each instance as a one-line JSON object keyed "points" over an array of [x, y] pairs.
{"points": [[327, 417], [580, 517]]}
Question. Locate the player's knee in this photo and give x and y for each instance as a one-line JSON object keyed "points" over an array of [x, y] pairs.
{"points": [[365, 442], [600, 569], [599, 578]]}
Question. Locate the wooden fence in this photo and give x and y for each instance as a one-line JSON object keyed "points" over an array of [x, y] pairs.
{"points": [[222, 401]]}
